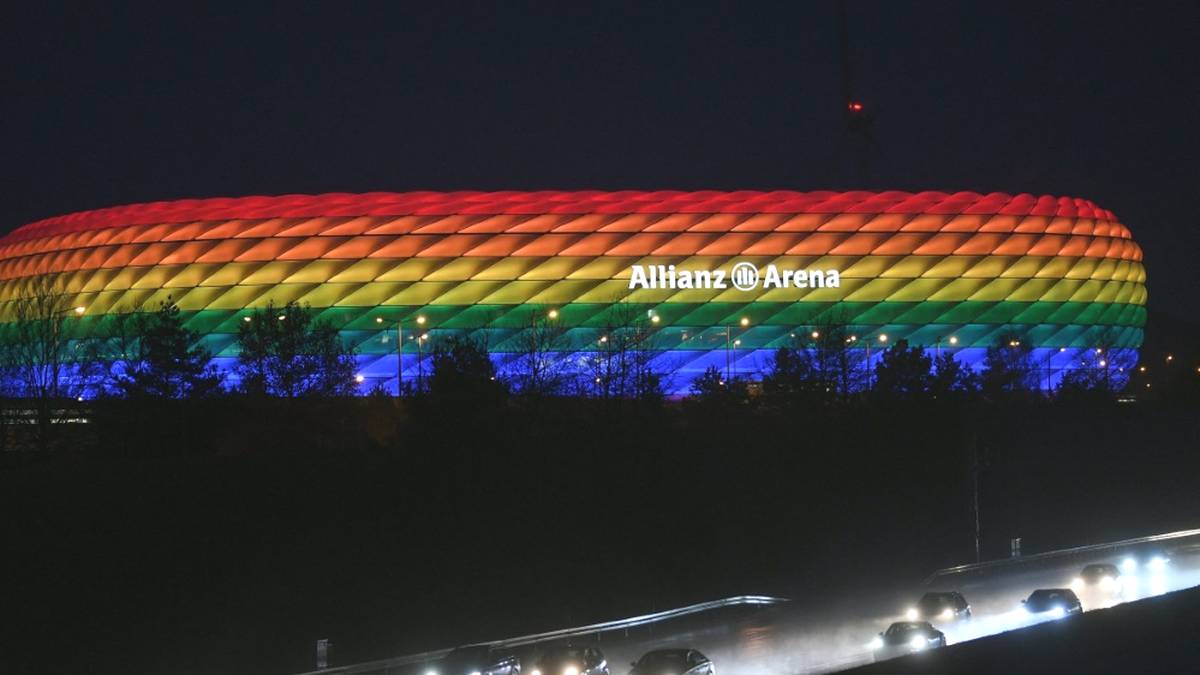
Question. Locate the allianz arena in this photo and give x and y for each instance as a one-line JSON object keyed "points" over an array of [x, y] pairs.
{"points": [[943, 270]]}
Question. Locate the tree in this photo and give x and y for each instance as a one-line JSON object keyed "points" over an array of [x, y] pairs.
{"points": [[287, 352], [44, 357], [839, 363], [711, 390], [951, 378], [1100, 371], [540, 368], [795, 377], [463, 376], [1008, 366], [622, 365], [166, 359], [903, 371]]}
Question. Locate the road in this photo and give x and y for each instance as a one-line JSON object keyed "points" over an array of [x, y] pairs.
{"points": [[798, 637]]}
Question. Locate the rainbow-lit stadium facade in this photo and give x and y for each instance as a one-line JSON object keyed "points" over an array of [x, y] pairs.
{"points": [[1060, 272]]}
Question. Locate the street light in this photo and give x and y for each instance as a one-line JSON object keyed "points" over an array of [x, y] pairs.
{"points": [[420, 359], [743, 322], [953, 341], [400, 352], [882, 337], [553, 314]]}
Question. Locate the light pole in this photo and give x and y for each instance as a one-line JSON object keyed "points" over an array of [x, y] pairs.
{"points": [[78, 311], [743, 323], [421, 363], [883, 338], [400, 352]]}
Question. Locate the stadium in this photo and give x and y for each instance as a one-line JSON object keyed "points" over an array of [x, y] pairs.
{"points": [[947, 271]]}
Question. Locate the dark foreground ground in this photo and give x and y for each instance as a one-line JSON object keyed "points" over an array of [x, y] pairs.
{"points": [[1156, 635], [470, 527]]}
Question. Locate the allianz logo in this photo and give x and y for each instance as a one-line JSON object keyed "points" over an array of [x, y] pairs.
{"points": [[744, 276]]}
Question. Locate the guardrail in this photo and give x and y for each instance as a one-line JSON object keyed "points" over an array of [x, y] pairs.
{"points": [[1060, 553], [591, 629]]}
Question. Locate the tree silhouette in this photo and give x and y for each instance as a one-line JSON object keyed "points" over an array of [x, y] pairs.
{"points": [[540, 366], [287, 352], [463, 375], [43, 355], [622, 365], [903, 371], [1008, 366], [712, 390], [165, 359], [951, 378]]}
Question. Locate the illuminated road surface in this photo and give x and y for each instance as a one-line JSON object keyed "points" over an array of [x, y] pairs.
{"points": [[798, 638], [793, 639]]}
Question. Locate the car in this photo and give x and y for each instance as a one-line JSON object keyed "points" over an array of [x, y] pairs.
{"points": [[1104, 576], [475, 660], [673, 662], [907, 637], [570, 660], [940, 606], [1056, 602]]}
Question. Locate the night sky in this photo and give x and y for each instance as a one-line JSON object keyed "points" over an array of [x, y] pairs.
{"points": [[113, 103]]}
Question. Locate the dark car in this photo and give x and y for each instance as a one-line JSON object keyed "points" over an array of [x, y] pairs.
{"points": [[940, 606], [907, 637], [1100, 575], [673, 662], [571, 661], [1054, 601], [476, 660]]}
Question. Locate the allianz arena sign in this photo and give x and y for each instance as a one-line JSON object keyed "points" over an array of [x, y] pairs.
{"points": [[742, 276]]}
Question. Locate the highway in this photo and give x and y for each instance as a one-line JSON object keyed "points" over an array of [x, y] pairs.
{"points": [[761, 636]]}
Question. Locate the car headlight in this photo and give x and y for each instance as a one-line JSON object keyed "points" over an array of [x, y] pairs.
{"points": [[431, 671], [1158, 563], [1058, 612], [476, 672], [535, 671], [911, 614], [570, 670], [917, 642], [877, 643], [1129, 565], [947, 614], [1106, 581], [1077, 583]]}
